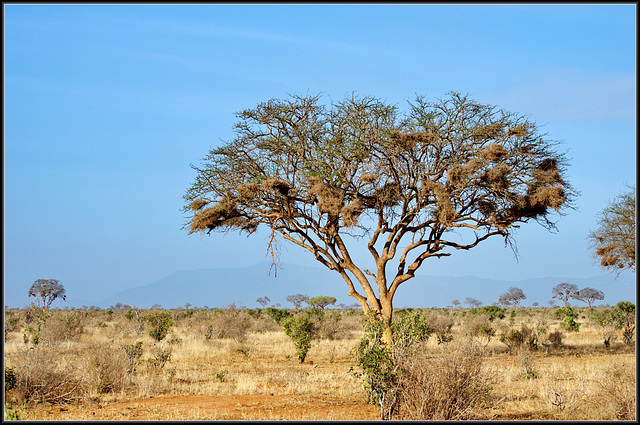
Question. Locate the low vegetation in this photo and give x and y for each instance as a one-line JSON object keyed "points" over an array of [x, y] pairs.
{"points": [[491, 362]]}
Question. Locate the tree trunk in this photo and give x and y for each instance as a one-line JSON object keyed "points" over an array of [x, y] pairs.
{"points": [[386, 315]]}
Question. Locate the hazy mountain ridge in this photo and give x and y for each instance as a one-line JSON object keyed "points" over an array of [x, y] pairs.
{"points": [[220, 287]]}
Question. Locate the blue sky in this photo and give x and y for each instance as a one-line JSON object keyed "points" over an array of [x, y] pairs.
{"points": [[106, 106]]}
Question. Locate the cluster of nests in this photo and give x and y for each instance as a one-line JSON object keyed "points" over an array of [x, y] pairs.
{"points": [[607, 255], [544, 191], [494, 131]]}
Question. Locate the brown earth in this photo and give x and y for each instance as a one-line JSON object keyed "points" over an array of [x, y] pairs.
{"points": [[225, 407]]}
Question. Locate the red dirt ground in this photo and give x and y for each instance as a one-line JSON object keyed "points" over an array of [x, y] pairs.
{"points": [[226, 407]]}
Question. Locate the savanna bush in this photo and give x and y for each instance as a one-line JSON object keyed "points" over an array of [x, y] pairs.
{"points": [[42, 376], [108, 368], [11, 323], [478, 327], [617, 392], [381, 366], [9, 378], [331, 327], [137, 319], [568, 316], [229, 323], [277, 314], [301, 330], [159, 322], [161, 355], [519, 338], [72, 325], [554, 339], [609, 321], [448, 386], [132, 352], [626, 311], [441, 324], [493, 311]]}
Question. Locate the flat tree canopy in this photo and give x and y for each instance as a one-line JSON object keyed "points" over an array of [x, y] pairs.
{"points": [[444, 175], [589, 295], [321, 301]]}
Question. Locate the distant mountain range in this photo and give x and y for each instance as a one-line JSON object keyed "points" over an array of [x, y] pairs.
{"points": [[221, 287]]}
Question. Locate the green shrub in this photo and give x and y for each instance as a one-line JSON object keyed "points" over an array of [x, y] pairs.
{"points": [[277, 314], [381, 366], [301, 331], [160, 322], [609, 320], [494, 312], [568, 315], [243, 351], [220, 375], [627, 318], [9, 378]]}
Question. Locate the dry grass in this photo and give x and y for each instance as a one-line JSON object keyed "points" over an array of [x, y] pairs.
{"points": [[581, 380]]}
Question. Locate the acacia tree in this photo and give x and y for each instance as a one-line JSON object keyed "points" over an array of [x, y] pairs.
{"points": [[589, 295], [263, 301], [321, 301], [443, 176], [47, 290], [297, 299], [473, 303], [513, 296], [563, 291], [614, 241]]}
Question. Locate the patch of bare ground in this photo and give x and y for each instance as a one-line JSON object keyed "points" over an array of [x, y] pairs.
{"points": [[221, 407]]}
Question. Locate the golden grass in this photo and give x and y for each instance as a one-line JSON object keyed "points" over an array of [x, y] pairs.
{"points": [[580, 381]]}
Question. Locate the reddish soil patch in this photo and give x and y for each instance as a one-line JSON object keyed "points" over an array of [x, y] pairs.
{"points": [[230, 407]]}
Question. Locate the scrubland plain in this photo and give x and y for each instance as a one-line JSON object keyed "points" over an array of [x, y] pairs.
{"points": [[239, 364]]}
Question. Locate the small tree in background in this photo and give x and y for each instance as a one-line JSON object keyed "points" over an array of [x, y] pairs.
{"points": [[321, 301], [512, 297], [589, 295], [263, 301], [455, 303], [563, 291], [46, 291], [297, 300], [614, 241], [473, 302]]}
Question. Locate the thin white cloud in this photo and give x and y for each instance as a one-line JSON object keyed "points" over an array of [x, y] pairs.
{"points": [[242, 33]]}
